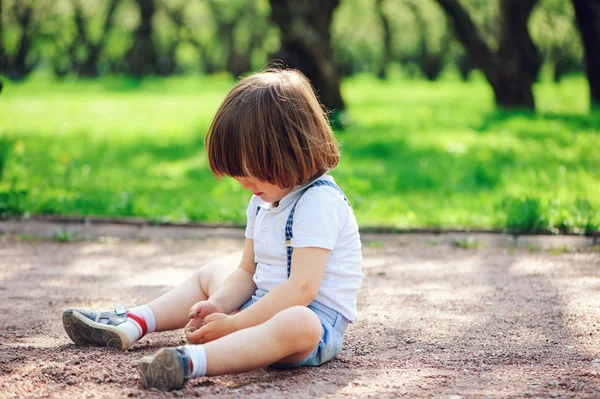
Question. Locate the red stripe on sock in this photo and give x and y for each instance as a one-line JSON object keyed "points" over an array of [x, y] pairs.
{"points": [[140, 320]]}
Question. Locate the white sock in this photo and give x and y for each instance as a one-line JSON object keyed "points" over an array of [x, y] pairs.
{"points": [[132, 328], [146, 313], [197, 355]]}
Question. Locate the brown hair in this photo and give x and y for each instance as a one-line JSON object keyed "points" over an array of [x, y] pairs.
{"points": [[271, 126]]}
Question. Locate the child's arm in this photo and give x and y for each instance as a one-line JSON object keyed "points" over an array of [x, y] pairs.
{"points": [[308, 266]]}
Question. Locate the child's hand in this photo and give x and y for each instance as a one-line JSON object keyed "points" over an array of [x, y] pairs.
{"points": [[197, 314], [202, 309], [216, 325]]}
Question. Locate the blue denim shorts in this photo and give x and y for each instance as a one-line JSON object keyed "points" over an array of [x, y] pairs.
{"points": [[333, 325]]}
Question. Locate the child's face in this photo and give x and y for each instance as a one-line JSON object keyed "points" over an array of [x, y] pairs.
{"points": [[266, 191]]}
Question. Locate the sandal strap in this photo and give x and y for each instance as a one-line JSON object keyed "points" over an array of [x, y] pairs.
{"points": [[114, 318]]}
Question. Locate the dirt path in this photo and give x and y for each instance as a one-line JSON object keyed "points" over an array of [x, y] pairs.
{"points": [[437, 321]]}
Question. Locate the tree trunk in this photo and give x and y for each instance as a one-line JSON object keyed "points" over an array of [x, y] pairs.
{"points": [[430, 63], [142, 58], [184, 30], [386, 56], [306, 44], [238, 58], [96, 49], [465, 66], [520, 59], [513, 69], [566, 63], [82, 68], [18, 68], [226, 31], [2, 53], [2, 56], [167, 62], [587, 13], [88, 67]]}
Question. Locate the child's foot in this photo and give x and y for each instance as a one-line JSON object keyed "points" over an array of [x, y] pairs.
{"points": [[167, 369], [117, 329]]}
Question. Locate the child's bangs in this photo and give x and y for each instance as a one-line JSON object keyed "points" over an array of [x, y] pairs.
{"points": [[224, 144]]}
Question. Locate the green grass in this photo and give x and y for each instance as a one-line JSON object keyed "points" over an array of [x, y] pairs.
{"points": [[468, 243], [63, 236], [416, 154], [373, 244], [563, 249], [29, 238]]}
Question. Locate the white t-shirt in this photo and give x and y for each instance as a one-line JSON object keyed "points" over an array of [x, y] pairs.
{"points": [[322, 219]]}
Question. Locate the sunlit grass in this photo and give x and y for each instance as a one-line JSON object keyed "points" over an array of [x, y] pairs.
{"points": [[416, 154]]}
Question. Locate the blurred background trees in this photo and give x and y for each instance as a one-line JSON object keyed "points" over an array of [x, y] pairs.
{"points": [[514, 66], [306, 44], [588, 19], [90, 126], [509, 41]]}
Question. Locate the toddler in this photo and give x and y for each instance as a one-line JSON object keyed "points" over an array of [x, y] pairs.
{"points": [[290, 299]]}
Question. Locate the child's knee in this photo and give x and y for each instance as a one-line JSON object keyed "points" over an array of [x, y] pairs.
{"points": [[212, 275], [208, 277], [204, 276], [300, 325]]}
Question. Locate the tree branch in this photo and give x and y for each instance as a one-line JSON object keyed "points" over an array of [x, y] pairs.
{"points": [[587, 14], [468, 34], [108, 23]]}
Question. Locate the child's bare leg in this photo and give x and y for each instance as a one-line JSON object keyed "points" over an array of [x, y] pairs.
{"points": [[171, 310], [288, 337]]}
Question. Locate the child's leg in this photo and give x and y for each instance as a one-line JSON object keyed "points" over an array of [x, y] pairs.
{"points": [[168, 312], [288, 337], [171, 310]]}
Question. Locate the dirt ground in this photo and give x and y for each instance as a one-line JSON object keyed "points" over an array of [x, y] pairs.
{"points": [[439, 318]]}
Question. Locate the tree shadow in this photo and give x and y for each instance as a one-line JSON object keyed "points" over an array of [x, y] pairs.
{"points": [[570, 123], [397, 166], [479, 322]]}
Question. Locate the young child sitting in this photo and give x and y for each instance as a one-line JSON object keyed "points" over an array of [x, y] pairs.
{"points": [[289, 301]]}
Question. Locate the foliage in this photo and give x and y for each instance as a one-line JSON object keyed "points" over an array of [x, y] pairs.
{"points": [[196, 40], [193, 36], [417, 153], [357, 35], [552, 27], [11, 201], [468, 243], [11, 197], [524, 215], [62, 235], [5, 150]]}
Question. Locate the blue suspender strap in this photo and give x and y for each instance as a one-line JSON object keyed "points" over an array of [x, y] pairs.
{"points": [[290, 221]]}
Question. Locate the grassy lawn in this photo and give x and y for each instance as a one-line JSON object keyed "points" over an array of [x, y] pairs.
{"points": [[416, 154]]}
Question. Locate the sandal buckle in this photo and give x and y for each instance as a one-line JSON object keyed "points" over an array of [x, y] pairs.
{"points": [[120, 310]]}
